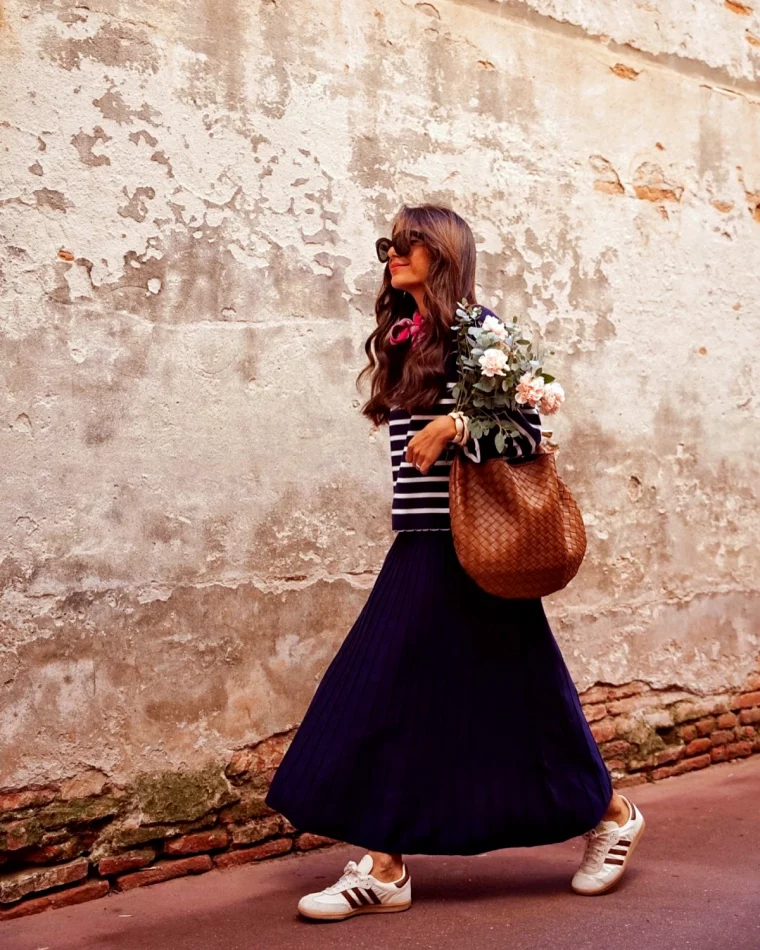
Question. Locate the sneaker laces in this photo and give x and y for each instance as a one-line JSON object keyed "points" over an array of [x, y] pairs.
{"points": [[351, 877], [598, 842]]}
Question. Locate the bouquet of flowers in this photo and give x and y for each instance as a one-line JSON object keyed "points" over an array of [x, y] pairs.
{"points": [[499, 368]]}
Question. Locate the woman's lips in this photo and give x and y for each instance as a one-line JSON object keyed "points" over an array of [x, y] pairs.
{"points": [[395, 267]]}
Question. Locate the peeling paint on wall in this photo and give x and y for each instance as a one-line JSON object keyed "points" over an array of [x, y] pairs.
{"points": [[194, 509]]}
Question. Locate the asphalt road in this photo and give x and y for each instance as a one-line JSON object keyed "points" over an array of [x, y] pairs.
{"points": [[693, 884]]}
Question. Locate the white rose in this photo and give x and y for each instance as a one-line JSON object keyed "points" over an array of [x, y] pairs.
{"points": [[495, 326], [493, 362]]}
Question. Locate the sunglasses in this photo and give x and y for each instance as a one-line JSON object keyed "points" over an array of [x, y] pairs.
{"points": [[402, 244]]}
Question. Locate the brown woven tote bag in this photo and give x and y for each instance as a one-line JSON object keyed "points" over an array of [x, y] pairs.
{"points": [[518, 531]]}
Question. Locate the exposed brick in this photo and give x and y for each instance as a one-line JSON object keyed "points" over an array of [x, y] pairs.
{"points": [[251, 805], [255, 830], [594, 694], [60, 851], [691, 709], [20, 883], [657, 718], [308, 841], [81, 811], [621, 707], [745, 732], [625, 726], [239, 763], [287, 827], [687, 733], [595, 711], [124, 834], [733, 750], [603, 730], [744, 700], [64, 898], [618, 764], [689, 765], [260, 759], [24, 798], [726, 721], [705, 726], [753, 682], [627, 689], [750, 715], [696, 746], [627, 780], [165, 871], [719, 707], [200, 841], [20, 834], [85, 785], [674, 752], [616, 747], [258, 852], [722, 737], [128, 861], [685, 765]]}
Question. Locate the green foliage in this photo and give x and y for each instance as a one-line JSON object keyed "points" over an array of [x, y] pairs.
{"points": [[484, 398]]}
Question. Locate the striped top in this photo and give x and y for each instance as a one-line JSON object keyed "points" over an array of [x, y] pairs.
{"points": [[421, 502]]}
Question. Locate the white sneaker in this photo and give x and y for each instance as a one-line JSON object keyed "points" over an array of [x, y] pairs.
{"points": [[609, 847], [357, 892]]}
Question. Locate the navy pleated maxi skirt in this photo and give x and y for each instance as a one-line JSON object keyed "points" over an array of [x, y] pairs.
{"points": [[446, 723]]}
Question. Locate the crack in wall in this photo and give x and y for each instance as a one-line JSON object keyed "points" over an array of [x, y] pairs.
{"points": [[693, 69]]}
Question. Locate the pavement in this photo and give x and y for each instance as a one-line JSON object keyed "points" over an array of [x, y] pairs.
{"points": [[693, 884]]}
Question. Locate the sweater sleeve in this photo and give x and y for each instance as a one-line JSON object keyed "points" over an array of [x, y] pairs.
{"points": [[526, 420]]}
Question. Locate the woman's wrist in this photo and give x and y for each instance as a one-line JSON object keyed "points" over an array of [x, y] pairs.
{"points": [[462, 432]]}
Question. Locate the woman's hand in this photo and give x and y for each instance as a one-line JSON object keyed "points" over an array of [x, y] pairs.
{"points": [[426, 446]]}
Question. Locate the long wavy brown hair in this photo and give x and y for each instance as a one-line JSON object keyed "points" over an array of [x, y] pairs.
{"points": [[416, 381]]}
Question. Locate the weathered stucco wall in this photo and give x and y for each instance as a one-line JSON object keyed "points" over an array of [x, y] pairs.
{"points": [[194, 509]]}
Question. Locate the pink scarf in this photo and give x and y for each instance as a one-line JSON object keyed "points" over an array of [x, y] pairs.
{"points": [[408, 328]]}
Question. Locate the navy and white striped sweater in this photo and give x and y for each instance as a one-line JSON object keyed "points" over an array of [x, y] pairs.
{"points": [[421, 502]]}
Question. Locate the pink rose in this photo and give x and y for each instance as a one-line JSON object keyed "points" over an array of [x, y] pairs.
{"points": [[529, 389], [552, 398]]}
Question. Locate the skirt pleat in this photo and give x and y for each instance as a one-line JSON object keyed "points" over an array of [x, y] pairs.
{"points": [[446, 723]]}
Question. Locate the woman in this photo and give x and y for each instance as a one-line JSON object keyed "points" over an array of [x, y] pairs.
{"points": [[447, 722]]}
